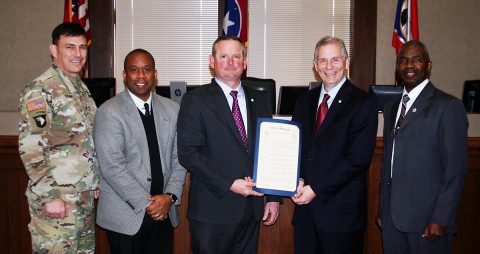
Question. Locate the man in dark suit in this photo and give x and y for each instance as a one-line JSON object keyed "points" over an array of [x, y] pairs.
{"points": [[141, 180], [339, 131], [216, 139], [424, 160]]}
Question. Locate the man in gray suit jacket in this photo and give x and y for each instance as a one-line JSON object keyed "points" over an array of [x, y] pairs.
{"points": [[141, 180], [424, 160]]}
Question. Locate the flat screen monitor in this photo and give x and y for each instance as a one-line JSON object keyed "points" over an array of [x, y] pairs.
{"points": [[471, 96], [288, 98], [263, 85], [101, 89], [385, 93], [177, 90], [165, 90]]}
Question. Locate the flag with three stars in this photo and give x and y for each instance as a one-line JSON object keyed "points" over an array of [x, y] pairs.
{"points": [[235, 21]]}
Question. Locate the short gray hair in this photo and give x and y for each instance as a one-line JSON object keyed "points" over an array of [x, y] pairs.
{"points": [[327, 40]]}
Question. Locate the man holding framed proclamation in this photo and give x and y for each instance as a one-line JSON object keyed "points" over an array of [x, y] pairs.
{"points": [[277, 157]]}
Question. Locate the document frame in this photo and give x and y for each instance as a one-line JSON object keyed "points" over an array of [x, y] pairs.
{"points": [[290, 132]]}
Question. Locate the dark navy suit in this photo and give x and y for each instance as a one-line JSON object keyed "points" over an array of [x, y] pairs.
{"points": [[334, 163], [211, 149]]}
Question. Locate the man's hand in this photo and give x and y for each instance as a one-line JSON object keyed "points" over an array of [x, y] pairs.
{"points": [[244, 187], [433, 231], [304, 194], [55, 209], [272, 210], [159, 206]]}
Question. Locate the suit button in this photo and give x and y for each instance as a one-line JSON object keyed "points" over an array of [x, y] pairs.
{"points": [[149, 179], [310, 159]]}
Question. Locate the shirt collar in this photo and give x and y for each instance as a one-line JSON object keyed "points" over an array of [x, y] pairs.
{"points": [[415, 92], [332, 93], [139, 102], [227, 89]]}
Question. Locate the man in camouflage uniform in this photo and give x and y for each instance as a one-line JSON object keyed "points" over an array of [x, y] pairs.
{"points": [[56, 147]]}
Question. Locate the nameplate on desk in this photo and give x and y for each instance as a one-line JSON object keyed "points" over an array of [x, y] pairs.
{"points": [[277, 157]]}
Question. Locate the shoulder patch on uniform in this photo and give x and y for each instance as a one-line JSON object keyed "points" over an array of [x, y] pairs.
{"points": [[40, 120], [36, 104]]}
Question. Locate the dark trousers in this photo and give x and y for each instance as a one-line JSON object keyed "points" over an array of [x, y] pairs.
{"points": [[226, 239], [397, 242], [308, 239], [153, 237]]}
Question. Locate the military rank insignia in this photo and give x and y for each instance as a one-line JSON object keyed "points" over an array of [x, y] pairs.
{"points": [[36, 109]]}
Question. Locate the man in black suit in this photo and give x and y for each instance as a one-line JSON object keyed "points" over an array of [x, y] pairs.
{"points": [[424, 160], [339, 131], [216, 139]]}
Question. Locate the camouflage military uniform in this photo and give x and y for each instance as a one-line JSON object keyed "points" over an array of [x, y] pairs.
{"points": [[56, 146]]}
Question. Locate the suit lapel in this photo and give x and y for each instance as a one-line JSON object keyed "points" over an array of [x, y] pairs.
{"points": [[419, 105], [222, 110], [313, 100], [162, 126], [134, 121], [250, 101], [340, 99]]}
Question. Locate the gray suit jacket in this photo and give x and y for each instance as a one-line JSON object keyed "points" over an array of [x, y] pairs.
{"points": [[430, 161], [123, 156]]}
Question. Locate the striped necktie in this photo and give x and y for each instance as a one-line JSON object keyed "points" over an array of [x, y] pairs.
{"points": [[405, 99]]}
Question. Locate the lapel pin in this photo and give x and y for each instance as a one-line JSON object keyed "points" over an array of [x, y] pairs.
{"points": [[414, 110], [339, 101], [251, 100]]}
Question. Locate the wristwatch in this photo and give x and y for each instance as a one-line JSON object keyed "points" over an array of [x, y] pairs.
{"points": [[173, 197]]}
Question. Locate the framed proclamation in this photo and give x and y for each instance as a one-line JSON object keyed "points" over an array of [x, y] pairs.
{"points": [[277, 157]]}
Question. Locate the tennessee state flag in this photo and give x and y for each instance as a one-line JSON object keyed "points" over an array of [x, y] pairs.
{"points": [[235, 21], [406, 23], [76, 11]]}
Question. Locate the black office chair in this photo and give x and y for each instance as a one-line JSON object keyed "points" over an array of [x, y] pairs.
{"points": [[264, 85]]}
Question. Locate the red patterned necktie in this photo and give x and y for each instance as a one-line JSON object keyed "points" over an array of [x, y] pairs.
{"points": [[237, 116], [321, 113]]}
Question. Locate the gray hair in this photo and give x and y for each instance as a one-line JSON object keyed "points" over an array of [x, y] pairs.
{"points": [[327, 40]]}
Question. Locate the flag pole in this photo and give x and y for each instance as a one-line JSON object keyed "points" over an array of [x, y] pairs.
{"points": [[409, 31]]}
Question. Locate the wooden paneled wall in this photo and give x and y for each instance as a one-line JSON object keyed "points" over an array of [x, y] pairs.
{"points": [[276, 239]]}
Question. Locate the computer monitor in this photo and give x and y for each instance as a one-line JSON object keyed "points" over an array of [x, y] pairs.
{"points": [[177, 90], [101, 89], [385, 93], [165, 90], [263, 85], [288, 97], [471, 96]]}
